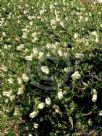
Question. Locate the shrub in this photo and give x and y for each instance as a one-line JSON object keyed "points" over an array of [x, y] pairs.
{"points": [[51, 73]]}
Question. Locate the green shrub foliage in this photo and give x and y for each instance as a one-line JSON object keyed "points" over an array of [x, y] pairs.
{"points": [[51, 68]]}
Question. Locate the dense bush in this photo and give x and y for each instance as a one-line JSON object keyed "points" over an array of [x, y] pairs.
{"points": [[51, 68]]}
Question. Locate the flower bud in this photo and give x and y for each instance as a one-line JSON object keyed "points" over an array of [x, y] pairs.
{"points": [[76, 75], [48, 101], [33, 114], [41, 105], [25, 77], [45, 69], [60, 94]]}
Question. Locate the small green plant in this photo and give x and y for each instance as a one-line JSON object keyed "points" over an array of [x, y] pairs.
{"points": [[51, 73]]}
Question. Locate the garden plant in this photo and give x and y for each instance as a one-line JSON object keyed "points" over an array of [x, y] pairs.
{"points": [[50, 68]]}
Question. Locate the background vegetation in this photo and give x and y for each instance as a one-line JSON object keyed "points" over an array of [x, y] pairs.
{"points": [[51, 68]]}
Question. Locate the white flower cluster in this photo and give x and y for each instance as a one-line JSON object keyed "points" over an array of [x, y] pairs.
{"points": [[100, 113], [25, 78], [48, 101], [10, 80], [36, 125], [30, 135], [94, 95], [7, 93], [76, 35], [45, 69], [29, 58], [40, 106], [95, 34], [33, 114], [35, 54], [20, 47], [43, 33], [4, 68], [76, 75], [60, 94], [20, 90], [79, 55]]}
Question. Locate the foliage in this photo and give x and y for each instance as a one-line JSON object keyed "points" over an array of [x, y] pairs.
{"points": [[51, 73]]}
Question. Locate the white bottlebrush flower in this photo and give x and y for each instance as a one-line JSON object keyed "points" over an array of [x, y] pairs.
{"points": [[20, 47], [57, 110], [58, 19], [94, 91], [48, 45], [25, 77], [51, 6], [45, 69], [85, 84], [48, 101], [10, 80], [30, 135], [5, 46], [33, 114], [7, 93], [80, 18], [76, 75], [34, 39], [16, 112], [29, 58], [94, 95], [86, 19], [20, 90], [40, 54], [31, 23], [34, 34], [66, 69], [24, 30], [60, 52], [41, 11], [41, 105], [99, 13], [53, 22], [7, 101], [24, 36], [62, 23], [30, 17], [9, 46], [35, 51], [36, 125], [60, 94], [12, 97], [100, 113], [55, 46], [4, 68], [75, 35], [25, 11], [94, 33], [79, 55], [19, 80], [97, 40], [4, 34], [26, 50]]}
